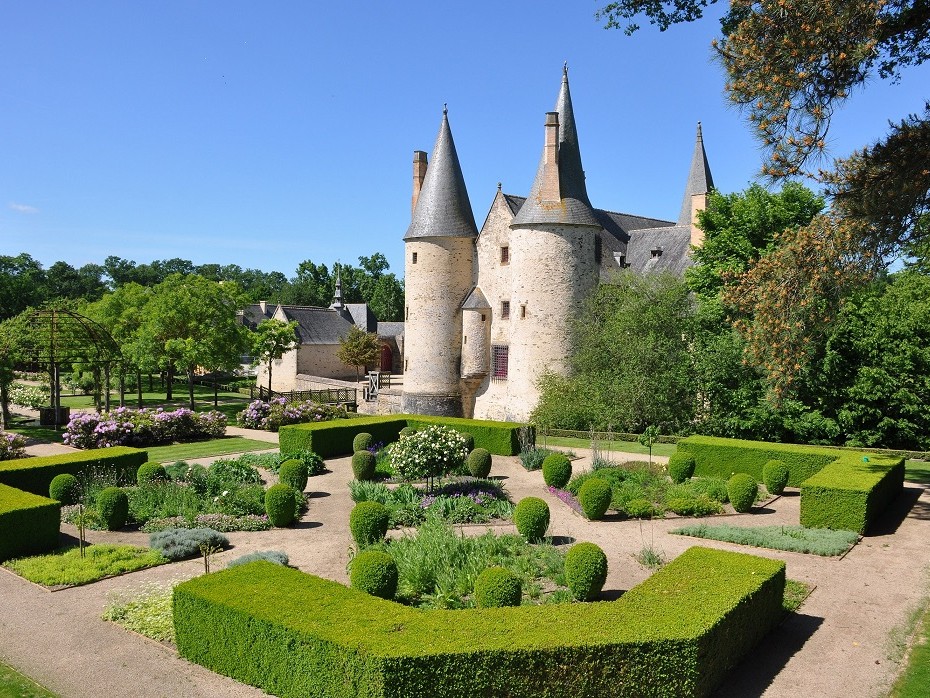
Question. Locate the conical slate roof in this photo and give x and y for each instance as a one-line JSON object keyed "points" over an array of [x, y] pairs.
{"points": [[574, 208], [476, 301], [443, 208], [699, 178]]}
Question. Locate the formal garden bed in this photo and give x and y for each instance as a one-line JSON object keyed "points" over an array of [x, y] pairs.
{"points": [[797, 539], [74, 566]]}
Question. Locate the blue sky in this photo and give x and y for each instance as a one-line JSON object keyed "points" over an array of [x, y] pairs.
{"points": [[263, 134]]}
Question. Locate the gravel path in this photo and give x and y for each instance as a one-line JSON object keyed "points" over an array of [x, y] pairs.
{"points": [[836, 646]]}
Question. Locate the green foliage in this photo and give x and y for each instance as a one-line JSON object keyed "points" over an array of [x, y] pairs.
{"points": [[35, 474], [271, 340], [557, 470], [113, 508], [474, 501], [585, 570], [65, 488], [293, 473], [701, 505], [149, 473], [479, 462], [182, 543], [147, 612], [358, 348], [742, 490], [775, 476], [797, 539], [280, 505], [639, 509], [496, 587], [532, 458], [407, 431], [68, 568], [369, 522], [278, 557], [680, 467], [314, 463], [723, 457], [29, 524], [364, 464], [531, 517], [375, 573], [469, 441], [225, 472], [594, 497], [431, 452], [362, 441]]}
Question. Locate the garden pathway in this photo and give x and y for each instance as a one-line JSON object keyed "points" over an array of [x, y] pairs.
{"points": [[836, 646]]}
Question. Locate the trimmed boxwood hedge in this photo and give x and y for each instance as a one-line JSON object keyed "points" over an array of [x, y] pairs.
{"points": [[335, 438], [35, 474], [294, 634], [29, 524]]}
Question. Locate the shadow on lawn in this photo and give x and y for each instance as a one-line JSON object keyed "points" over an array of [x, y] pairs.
{"points": [[906, 505], [760, 667]]}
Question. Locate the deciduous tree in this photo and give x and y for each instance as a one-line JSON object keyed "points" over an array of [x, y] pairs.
{"points": [[359, 349], [271, 340]]}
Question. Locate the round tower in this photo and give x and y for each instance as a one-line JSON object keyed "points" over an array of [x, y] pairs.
{"points": [[439, 250]]}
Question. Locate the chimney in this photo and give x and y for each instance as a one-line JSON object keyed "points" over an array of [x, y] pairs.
{"points": [[262, 305], [698, 203], [419, 174], [550, 185]]}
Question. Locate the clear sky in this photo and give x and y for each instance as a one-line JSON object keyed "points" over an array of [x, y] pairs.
{"points": [[266, 133]]}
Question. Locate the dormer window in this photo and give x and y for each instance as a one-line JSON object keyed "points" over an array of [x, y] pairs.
{"points": [[657, 252]]}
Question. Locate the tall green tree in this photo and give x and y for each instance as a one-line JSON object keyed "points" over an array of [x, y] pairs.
{"points": [[22, 284], [12, 333], [359, 349], [271, 340]]}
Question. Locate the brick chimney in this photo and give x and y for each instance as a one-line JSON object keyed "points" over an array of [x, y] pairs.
{"points": [[419, 174], [550, 185]]}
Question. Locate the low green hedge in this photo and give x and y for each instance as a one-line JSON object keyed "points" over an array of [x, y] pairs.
{"points": [[334, 438], [29, 524], [294, 634], [36, 474], [851, 492]]}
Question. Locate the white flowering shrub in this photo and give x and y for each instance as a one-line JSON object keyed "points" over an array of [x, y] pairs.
{"points": [[430, 452], [33, 396]]}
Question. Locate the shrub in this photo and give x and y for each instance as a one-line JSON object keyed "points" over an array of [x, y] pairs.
{"points": [[293, 473], [594, 497], [226, 471], [65, 488], [531, 517], [29, 524], [275, 556], [149, 473], [362, 441], [280, 505], [35, 474], [479, 462], [469, 441], [33, 396], [364, 464], [713, 487], [775, 476], [680, 467], [532, 458], [113, 508], [182, 543], [280, 411], [407, 431], [585, 571], [430, 452], [639, 509], [12, 446], [496, 587], [313, 461], [144, 427], [369, 523], [742, 490], [557, 470], [375, 573]]}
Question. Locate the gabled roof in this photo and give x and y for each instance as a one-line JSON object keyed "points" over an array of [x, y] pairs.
{"points": [[443, 208], [362, 316], [253, 314], [476, 301], [317, 325], [700, 180], [660, 249]]}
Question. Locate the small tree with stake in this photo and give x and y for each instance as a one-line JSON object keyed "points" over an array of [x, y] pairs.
{"points": [[648, 438], [358, 348], [272, 340]]}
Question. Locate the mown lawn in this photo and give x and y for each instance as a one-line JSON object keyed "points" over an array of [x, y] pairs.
{"points": [[917, 471], [15, 685], [203, 449], [914, 682], [613, 446]]}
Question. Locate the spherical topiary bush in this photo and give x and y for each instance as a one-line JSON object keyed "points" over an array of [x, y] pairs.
{"points": [[479, 462], [680, 467], [594, 497], [280, 505], [742, 490], [496, 587], [775, 476], [375, 573], [369, 523], [149, 473], [113, 508], [408, 431], [363, 465], [585, 571], [65, 488], [531, 517], [362, 441], [293, 473], [557, 470]]}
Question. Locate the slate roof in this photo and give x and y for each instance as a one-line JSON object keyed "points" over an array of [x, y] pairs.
{"points": [[476, 301], [390, 329], [362, 316], [317, 325], [443, 208], [700, 180], [673, 243], [252, 314]]}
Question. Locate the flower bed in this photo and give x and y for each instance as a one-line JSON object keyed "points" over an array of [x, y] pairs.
{"points": [[279, 411], [458, 502], [12, 446], [144, 427]]}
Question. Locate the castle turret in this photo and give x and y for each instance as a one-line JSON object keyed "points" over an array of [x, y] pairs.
{"points": [[699, 184], [554, 265], [438, 269]]}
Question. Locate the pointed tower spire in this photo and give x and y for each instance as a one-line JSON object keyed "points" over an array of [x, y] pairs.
{"points": [[700, 181], [569, 204], [337, 296], [442, 208]]}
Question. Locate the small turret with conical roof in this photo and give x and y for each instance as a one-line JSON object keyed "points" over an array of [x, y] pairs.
{"points": [[700, 183]]}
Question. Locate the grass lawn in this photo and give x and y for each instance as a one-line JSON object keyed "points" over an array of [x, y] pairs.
{"points": [[917, 471], [66, 567], [15, 685], [203, 449], [615, 446], [47, 435], [915, 680], [229, 404]]}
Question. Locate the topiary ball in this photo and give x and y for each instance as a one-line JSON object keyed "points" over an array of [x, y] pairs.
{"points": [[363, 465], [375, 573], [594, 497], [113, 508], [407, 431], [65, 488], [369, 523], [680, 467], [149, 473], [531, 517], [293, 473], [742, 490], [557, 470], [496, 587], [362, 441], [469, 441], [280, 505], [585, 571], [479, 462], [775, 476]]}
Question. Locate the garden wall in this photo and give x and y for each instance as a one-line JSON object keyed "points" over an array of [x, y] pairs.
{"points": [[294, 634], [36, 474]]}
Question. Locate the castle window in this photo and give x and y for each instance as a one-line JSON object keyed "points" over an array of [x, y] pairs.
{"points": [[656, 252], [505, 255], [597, 249], [499, 357], [414, 259], [523, 311], [407, 313], [505, 310]]}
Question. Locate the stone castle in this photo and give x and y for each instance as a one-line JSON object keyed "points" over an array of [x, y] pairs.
{"points": [[488, 312]]}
